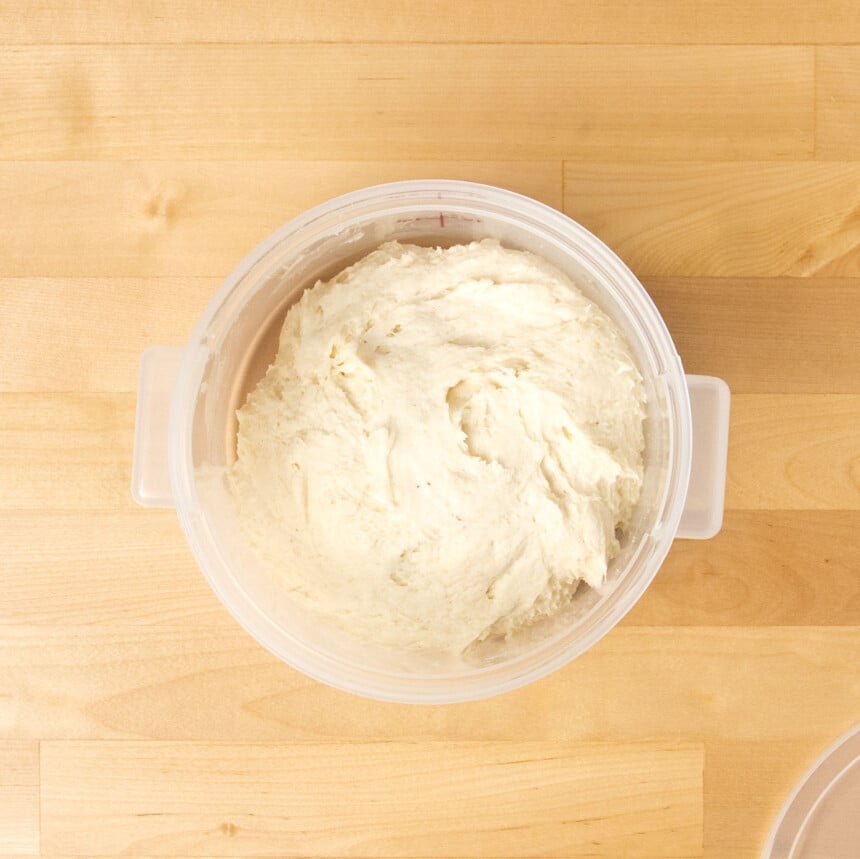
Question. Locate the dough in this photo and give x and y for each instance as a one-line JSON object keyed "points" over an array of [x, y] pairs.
{"points": [[444, 447]]}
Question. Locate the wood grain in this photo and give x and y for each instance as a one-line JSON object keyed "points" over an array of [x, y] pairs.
{"points": [[746, 784], [216, 684], [837, 102], [742, 330], [381, 799], [766, 568], [197, 218], [723, 220], [101, 568], [785, 452], [125, 316], [19, 797], [723, 327], [146, 147], [794, 452], [406, 101], [450, 21], [66, 451]]}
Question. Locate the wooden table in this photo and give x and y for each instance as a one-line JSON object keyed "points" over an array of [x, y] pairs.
{"points": [[146, 147]]}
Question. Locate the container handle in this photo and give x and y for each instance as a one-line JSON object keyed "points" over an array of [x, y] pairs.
{"points": [[703, 512], [150, 477]]}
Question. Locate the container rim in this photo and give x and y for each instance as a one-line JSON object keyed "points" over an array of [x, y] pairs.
{"points": [[471, 683]]}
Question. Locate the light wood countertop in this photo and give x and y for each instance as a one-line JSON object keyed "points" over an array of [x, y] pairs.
{"points": [[146, 147]]}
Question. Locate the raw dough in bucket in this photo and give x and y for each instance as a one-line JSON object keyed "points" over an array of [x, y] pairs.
{"points": [[444, 447]]}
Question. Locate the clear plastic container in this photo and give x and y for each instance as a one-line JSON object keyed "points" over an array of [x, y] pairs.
{"points": [[821, 817], [182, 460]]}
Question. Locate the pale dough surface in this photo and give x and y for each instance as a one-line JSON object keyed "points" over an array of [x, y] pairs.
{"points": [[444, 447]]}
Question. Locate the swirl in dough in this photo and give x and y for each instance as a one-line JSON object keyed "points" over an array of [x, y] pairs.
{"points": [[444, 446]]}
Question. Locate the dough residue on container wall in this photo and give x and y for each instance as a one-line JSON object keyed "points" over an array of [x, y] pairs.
{"points": [[444, 446]]}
